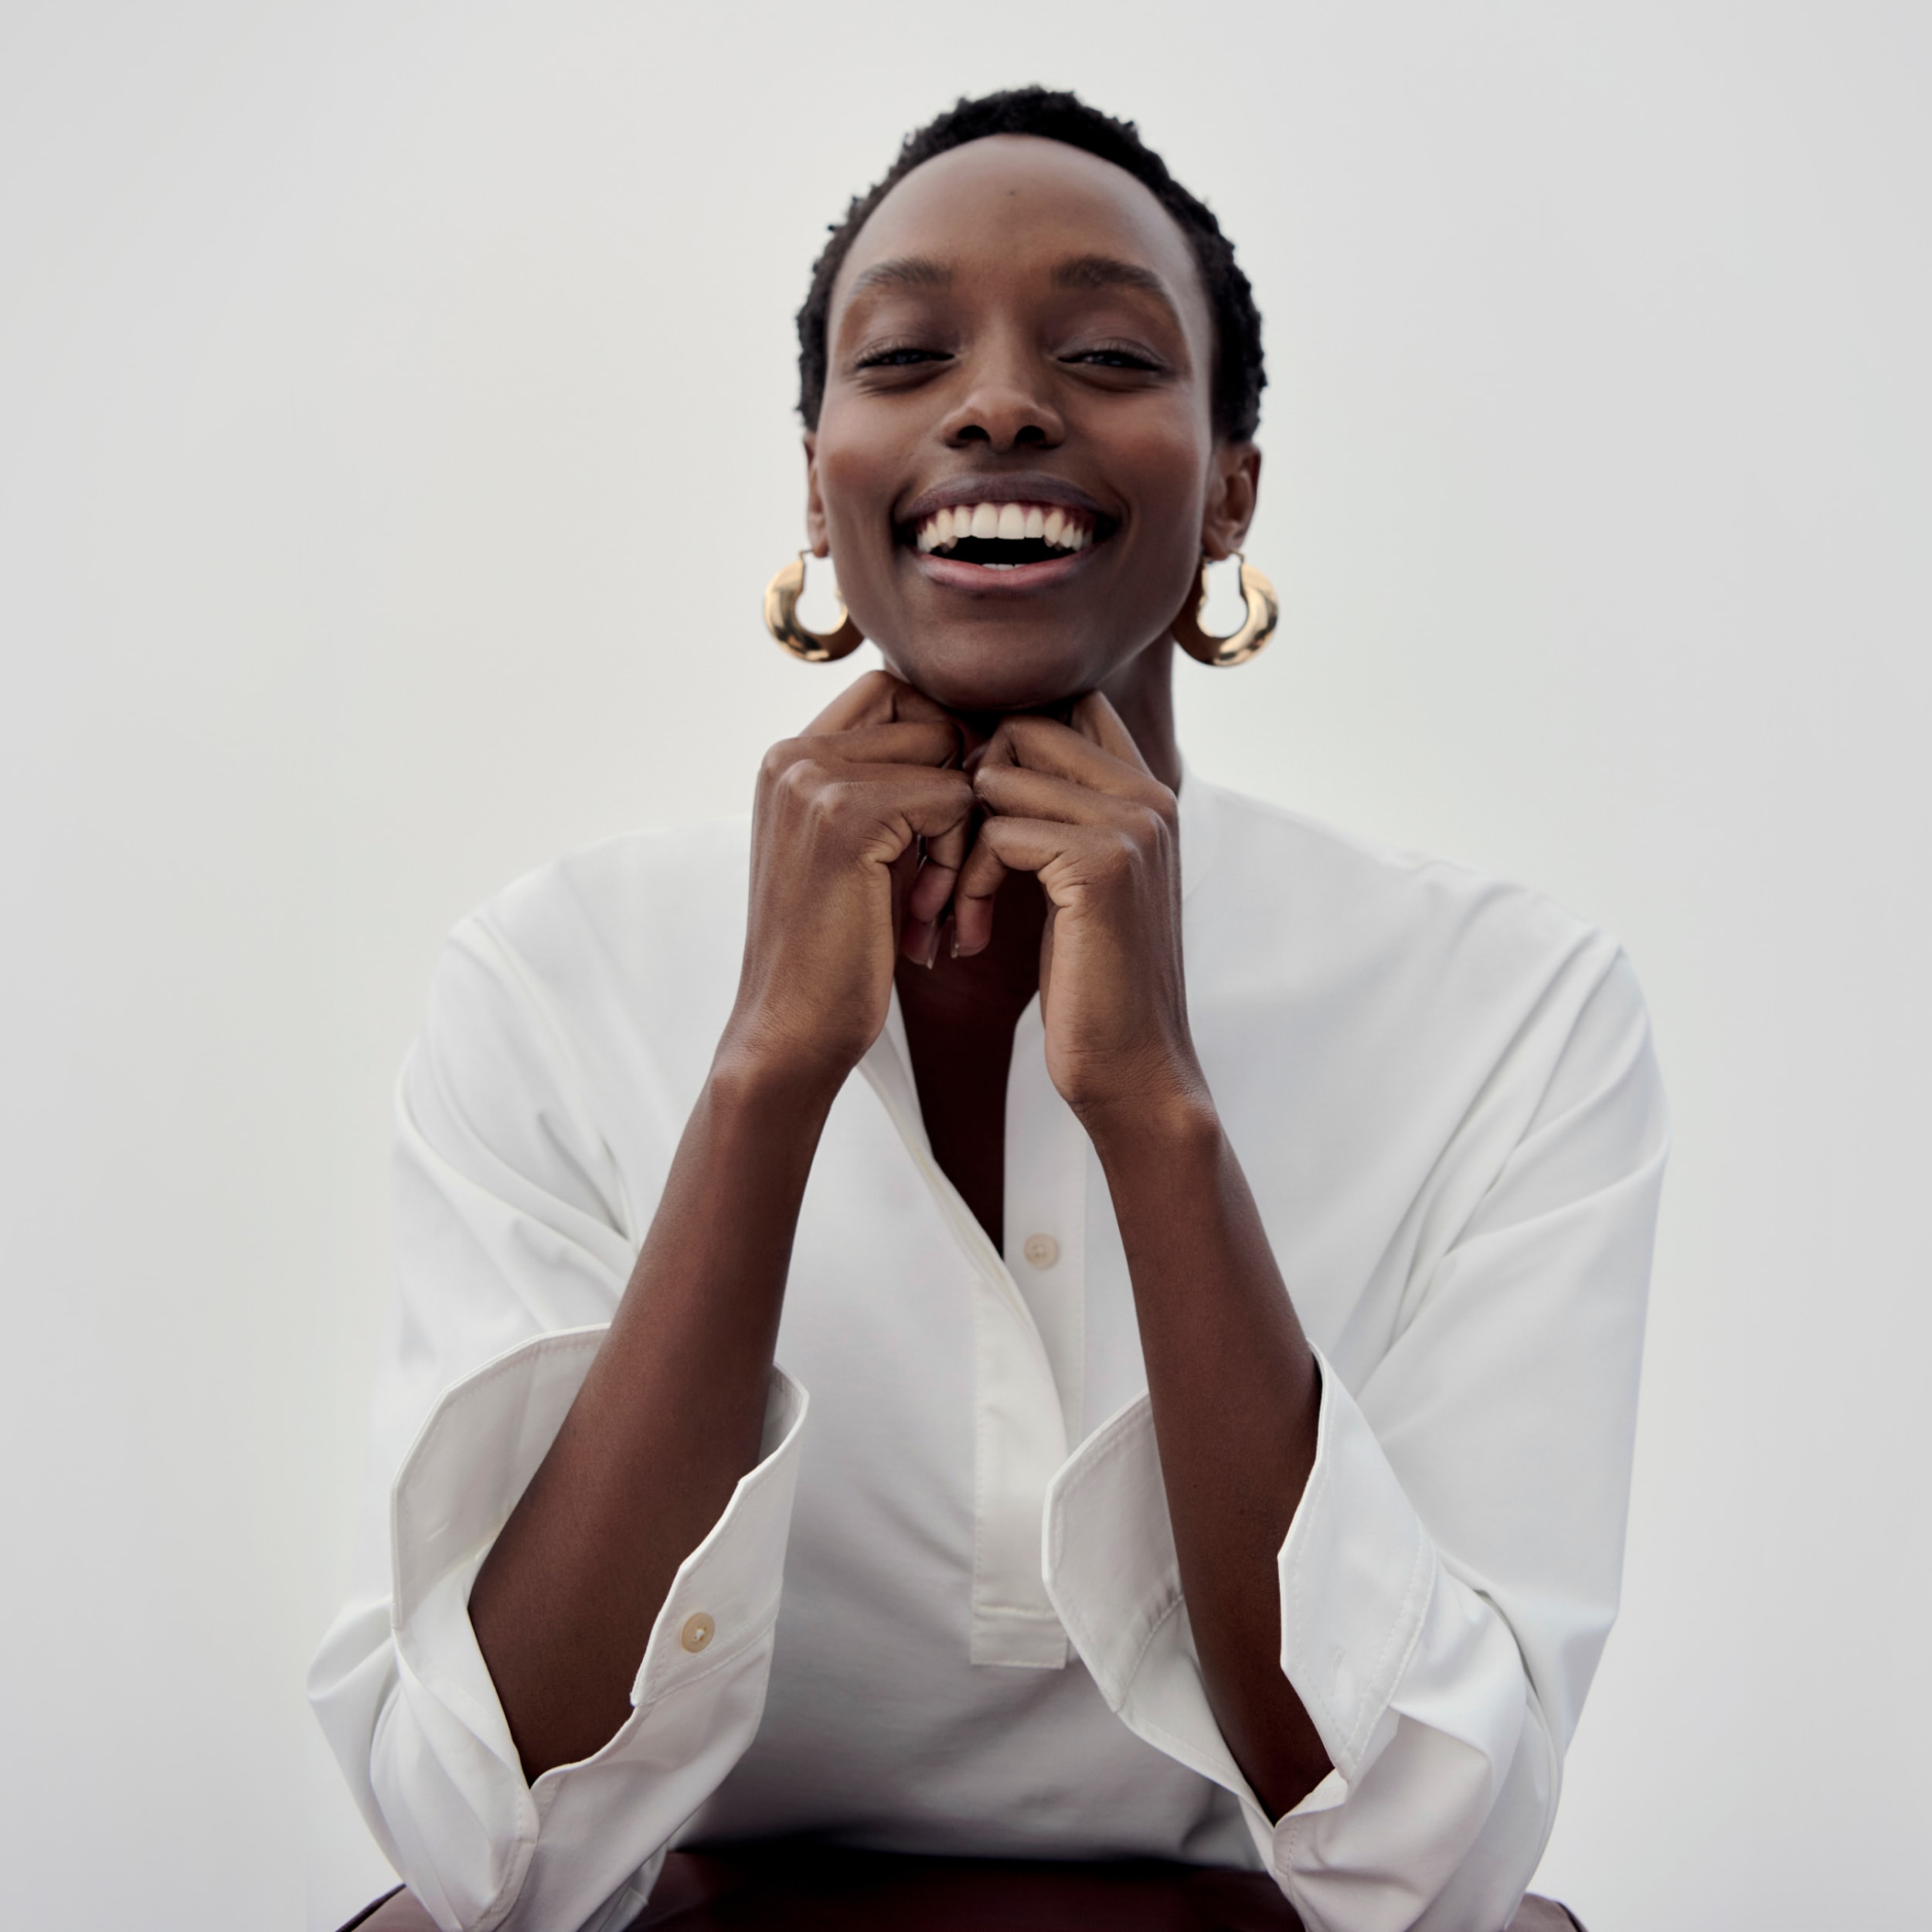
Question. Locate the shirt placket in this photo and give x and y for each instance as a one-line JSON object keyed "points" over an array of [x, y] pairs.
{"points": [[1047, 1180], [1020, 1423]]}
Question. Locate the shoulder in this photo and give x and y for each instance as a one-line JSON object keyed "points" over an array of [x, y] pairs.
{"points": [[1342, 905], [1396, 971], [640, 905], [598, 953]]}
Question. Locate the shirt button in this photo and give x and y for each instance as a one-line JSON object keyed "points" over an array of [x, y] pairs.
{"points": [[698, 1630], [1041, 1250]]}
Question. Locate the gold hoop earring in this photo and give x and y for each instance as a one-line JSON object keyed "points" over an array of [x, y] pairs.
{"points": [[1261, 611], [781, 619]]}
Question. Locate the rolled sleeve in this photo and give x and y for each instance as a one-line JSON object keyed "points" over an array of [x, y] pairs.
{"points": [[1414, 1684], [412, 1708], [1450, 1572], [1357, 1575]]}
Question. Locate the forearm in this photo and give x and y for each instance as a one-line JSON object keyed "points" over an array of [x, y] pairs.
{"points": [[668, 1421], [1235, 1394]]}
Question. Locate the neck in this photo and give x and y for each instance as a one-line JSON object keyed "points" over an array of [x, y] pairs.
{"points": [[960, 1015], [1142, 692]]}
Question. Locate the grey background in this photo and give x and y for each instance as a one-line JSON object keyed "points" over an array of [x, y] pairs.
{"points": [[394, 440]]}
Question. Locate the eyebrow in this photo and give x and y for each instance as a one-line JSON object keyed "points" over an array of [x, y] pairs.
{"points": [[1082, 271], [1107, 271], [903, 271]]}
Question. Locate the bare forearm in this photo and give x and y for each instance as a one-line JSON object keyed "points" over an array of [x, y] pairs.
{"points": [[1235, 1396], [668, 1421]]}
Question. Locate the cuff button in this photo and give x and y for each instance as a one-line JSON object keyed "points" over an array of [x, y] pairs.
{"points": [[698, 1630]]}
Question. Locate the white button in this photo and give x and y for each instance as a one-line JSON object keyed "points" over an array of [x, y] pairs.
{"points": [[698, 1630], [1042, 1250]]}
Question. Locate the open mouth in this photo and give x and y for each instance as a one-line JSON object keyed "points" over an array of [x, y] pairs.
{"points": [[1008, 536]]}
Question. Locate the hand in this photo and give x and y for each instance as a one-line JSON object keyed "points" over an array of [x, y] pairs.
{"points": [[1076, 806], [835, 873]]}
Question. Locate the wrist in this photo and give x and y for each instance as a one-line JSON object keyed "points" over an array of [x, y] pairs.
{"points": [[756, 1072], [1164, 1119]]}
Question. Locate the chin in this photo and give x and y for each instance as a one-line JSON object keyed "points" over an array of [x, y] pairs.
{"points": [[971, 682], [997, 668]]}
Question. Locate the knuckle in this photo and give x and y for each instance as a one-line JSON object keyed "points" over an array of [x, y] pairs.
{"points": [[831, 799], [773, 765], [801, 781]]}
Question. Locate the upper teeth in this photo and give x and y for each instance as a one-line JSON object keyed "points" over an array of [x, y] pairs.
{"points": [[1010, 522]]}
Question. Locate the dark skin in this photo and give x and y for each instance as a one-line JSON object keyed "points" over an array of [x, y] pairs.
{"points": [[993, 815], [960, 1017]]}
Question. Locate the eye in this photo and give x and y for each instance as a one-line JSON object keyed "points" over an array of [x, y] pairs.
{"points": [[900, 355], [1116, 355]]}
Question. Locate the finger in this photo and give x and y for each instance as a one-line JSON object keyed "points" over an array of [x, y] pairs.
{"points": [[877, 698], [933, 891], [1065, 858], [1039, 744], [1095, 718], [918, 742], [980, 879], [1014, 791], [919, 802], [938, 877], [866, 700], [873, 812]]}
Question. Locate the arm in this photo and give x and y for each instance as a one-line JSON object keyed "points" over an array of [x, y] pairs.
{"points": [[669, 1417], [1235, 1394], [533, 1788], [1233, 1383], [667, 1421], [1450, 1563]]}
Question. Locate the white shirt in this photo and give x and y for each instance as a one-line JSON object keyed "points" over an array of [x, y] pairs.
{"points": [[945, 1610]]}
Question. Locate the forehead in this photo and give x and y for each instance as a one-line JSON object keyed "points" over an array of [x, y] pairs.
{"points": [[1019, 204]]}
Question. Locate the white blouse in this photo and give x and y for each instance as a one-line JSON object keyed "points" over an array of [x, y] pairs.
{"points": [[943, 1613]]}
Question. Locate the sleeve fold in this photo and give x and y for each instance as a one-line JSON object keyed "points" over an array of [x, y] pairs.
{"points": [[1449, 1573], [409, 1706]]}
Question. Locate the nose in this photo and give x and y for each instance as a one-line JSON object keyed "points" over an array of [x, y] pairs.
{"points": [[1006, 404]]}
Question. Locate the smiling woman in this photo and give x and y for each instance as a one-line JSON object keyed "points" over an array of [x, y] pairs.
{"points": [[1219, 1295]]}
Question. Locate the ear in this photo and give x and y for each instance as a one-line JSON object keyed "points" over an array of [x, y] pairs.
{"points": [[1232, 487], [815, 501]]}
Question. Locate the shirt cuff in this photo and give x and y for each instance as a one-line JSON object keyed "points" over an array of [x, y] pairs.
{"points": [[1355, 1570], [480, 1846], [1380, 1642]]}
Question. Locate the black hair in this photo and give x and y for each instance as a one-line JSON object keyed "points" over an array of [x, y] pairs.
{"points": [[1238, 376]]}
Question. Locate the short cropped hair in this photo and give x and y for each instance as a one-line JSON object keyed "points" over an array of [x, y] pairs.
{"points": [[1239, 375]]}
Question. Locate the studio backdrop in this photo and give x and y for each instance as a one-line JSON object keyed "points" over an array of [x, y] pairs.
{"points": [[397, 432]]}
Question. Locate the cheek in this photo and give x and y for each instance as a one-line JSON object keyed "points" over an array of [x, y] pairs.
{"points": [[1171, 472], [856, 474]]}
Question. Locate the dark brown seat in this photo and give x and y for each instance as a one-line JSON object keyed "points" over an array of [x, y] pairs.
{"points": [[796, 1888]]}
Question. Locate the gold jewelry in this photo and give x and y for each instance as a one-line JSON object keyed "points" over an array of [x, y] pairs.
{"points": [[781, 619], [1261, 611]]}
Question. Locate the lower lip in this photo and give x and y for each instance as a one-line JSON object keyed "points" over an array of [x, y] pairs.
{"points": [[978, 580]]}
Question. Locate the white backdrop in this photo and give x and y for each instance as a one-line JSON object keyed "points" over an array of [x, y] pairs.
{"points": [[394, 439]]}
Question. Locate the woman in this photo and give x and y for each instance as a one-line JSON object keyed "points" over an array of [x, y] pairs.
{"points": [[1219, 1299]]}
